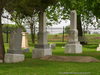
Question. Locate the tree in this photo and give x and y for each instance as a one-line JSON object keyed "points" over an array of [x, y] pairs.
{"points": [[2, 50], [28, 9], [67, 29], [83, 8], [31, 22], [94, 7]]}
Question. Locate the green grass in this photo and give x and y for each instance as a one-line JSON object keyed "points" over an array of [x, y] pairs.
{"points": [[42, 67], [93, 39]]}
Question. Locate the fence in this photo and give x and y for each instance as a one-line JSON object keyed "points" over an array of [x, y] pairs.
{"points": [[60, 35]]}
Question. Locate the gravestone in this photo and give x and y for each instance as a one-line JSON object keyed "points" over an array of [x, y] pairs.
{"points": [[26, 50], [14, 54], [52, 46], [73, 45], [42, 48], [24, 40]]}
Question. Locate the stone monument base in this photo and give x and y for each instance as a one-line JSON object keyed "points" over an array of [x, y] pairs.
{"points": [[13, 58], [73, 48], [98, 48], [41, 52]]}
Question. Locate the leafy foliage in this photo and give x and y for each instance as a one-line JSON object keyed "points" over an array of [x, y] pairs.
{"points": [[94, 6]]}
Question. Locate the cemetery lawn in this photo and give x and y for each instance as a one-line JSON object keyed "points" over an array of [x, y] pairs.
{"points": [[42, 67]]}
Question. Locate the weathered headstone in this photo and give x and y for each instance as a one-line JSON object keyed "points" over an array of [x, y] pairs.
{"points": [[73, 45], [26, 50], [52, 46], [14, 53], [98, 48], [24, 40], [42, 48]]}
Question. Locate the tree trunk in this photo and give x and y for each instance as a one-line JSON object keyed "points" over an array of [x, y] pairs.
{"points": [[32, 33], [2, 50], [7, 35], [79, 26], [80, 32]]}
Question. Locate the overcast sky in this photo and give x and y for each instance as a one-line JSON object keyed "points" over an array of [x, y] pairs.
{"points": [[62, 24]]}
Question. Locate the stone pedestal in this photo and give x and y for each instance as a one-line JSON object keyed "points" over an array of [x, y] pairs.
{"points": [[41, 52], [73, 48], [73, 45], [24, 40], [98, 48], [13, 58], [14, 53], [42, 48]]}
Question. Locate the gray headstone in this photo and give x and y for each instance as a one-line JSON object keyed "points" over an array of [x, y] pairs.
{"points": [[73, 45], [42, 48], [14, 53], [15, 41], [52, 46]]}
